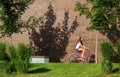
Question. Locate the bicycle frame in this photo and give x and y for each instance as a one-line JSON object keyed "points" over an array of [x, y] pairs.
{"points": [[76, 57]]}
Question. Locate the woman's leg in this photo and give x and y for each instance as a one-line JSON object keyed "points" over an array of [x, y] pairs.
{"points": [[83, 51]]}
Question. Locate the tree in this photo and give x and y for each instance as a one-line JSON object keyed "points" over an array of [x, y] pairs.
{"points": [[10, 14], [104, 15]]}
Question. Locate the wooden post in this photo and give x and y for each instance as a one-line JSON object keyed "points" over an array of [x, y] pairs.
{"points": [[96, 46]]}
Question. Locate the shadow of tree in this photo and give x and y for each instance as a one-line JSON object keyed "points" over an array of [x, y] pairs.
{"points": [[115, 70], [116, 58], [114, 35], [51, 41], [39, 70]]}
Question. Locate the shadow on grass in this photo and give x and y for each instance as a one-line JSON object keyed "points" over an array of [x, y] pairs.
{"points": [[39, 70], [116, 70]]}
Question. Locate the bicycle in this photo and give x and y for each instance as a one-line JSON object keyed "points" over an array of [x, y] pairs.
{"points": [[75, 57]]}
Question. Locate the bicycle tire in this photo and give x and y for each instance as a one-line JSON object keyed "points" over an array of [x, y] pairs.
{"points": [[75, 58], [87, 56]]}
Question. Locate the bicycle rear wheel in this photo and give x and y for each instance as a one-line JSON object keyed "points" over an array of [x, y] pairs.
{"points": [[73, 58], [87, 56]]}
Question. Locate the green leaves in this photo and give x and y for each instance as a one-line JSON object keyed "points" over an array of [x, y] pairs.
{"points": [[103, 14], [16, 58], [10, 14], [107, 52], [82, 8]]}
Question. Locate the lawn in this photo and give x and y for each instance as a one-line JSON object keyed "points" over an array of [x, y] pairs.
{"points": [[66, 70]]}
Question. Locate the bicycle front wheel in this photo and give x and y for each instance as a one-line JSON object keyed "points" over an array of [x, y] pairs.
{"points": [[73, 58]]}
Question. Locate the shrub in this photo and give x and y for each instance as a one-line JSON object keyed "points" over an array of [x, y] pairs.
{"points": [[116, 57], [3, 57], [118, 47], [16, 58], [24, 54], [107, 52], [11, 51], [3, 54]]}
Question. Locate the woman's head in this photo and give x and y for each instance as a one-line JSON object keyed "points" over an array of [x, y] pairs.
{"points": [[80, 40]]}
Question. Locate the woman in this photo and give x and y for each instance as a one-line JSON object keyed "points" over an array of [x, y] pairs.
{"points": [[80, 47]]}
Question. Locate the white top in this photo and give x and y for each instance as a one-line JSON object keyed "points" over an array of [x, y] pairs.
{"points": [[77, 46]]}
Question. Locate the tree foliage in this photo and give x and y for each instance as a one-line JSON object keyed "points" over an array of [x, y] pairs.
{"points": [[104, 15], [10, 14]]}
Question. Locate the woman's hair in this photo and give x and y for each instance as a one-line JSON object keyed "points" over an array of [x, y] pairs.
{"points": [[80, 40]]}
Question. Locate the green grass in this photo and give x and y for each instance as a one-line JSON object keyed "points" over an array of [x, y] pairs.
{"points": [[66, 70]]}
